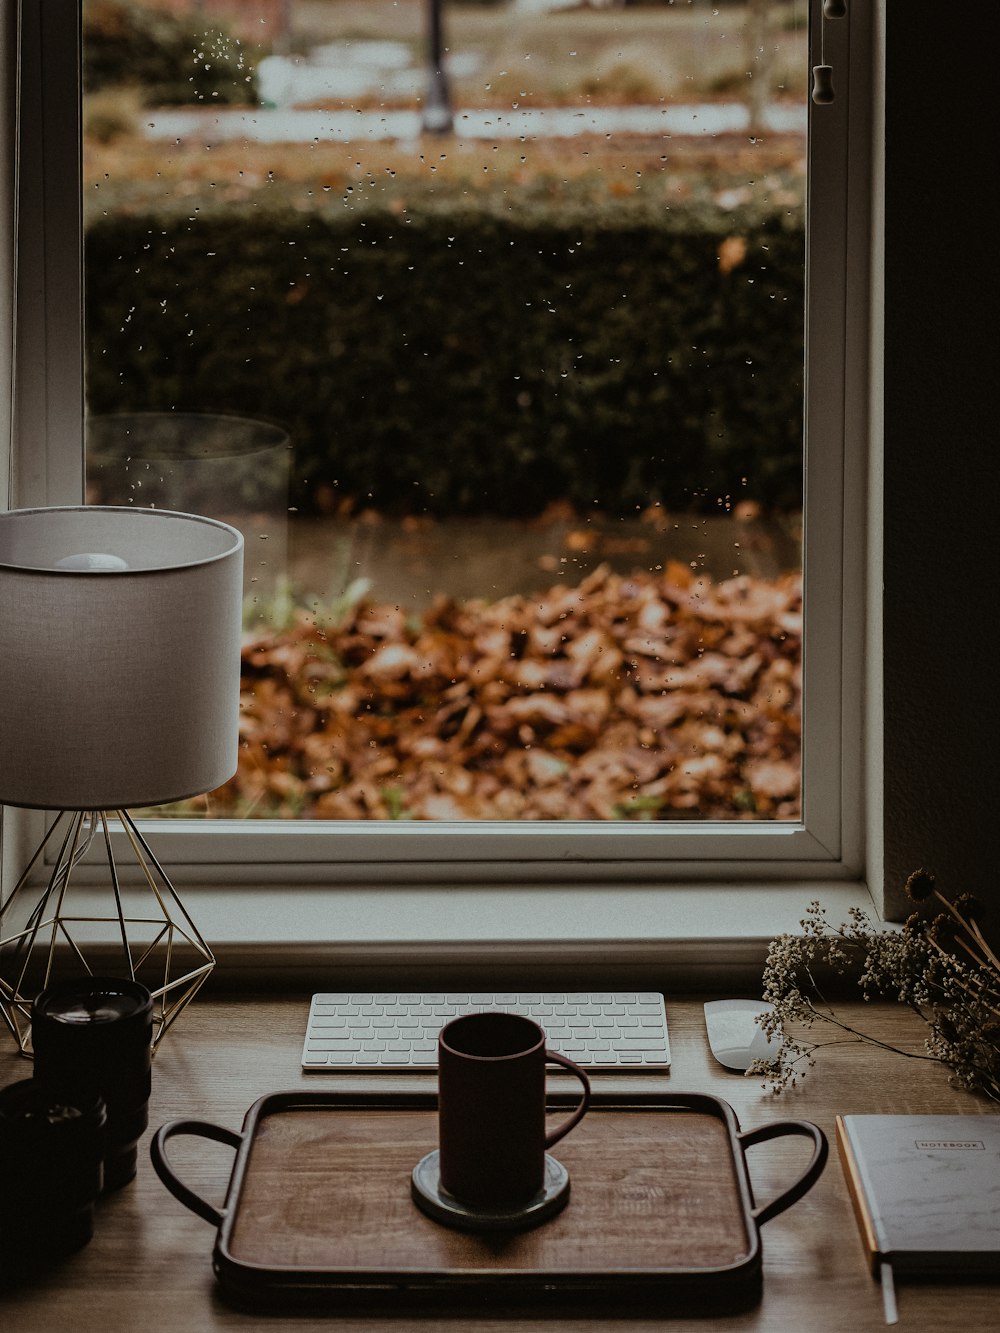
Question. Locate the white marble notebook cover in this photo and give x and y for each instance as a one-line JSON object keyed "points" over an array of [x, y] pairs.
{"points": [[930, 1186]]}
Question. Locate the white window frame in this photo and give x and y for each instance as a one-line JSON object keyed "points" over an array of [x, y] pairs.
{"points": [[827, 848]]}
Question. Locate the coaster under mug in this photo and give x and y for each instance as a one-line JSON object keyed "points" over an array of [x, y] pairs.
{"points": [[432, 1199]]}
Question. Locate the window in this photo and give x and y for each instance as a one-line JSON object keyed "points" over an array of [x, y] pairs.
{"points": [[824, 842]]}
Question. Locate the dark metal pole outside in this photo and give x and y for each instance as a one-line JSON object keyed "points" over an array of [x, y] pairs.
{"points": [[437, 115], [283, 37]]}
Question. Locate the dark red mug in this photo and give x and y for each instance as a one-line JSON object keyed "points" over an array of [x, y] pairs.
{"points": [[492, 1138]]}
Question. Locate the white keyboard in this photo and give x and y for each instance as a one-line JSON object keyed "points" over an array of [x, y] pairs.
{"points": [[605, 1032]]}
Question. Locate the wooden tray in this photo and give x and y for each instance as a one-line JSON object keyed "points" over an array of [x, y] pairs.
{"points": [[319, 1208]]}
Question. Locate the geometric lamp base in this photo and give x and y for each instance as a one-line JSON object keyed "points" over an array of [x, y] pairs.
{"points": [[47, 934]]}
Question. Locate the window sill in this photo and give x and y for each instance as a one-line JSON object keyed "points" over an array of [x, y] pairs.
{"points": [[657, 937]]}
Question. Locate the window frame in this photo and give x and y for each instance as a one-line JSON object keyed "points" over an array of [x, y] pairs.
{"points": [[829, 842]]}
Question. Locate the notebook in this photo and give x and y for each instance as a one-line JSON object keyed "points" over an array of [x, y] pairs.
{"points": [[926, 1193]]}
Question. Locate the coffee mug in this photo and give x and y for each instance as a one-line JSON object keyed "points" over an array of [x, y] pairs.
{"points": [[492, 1138]]}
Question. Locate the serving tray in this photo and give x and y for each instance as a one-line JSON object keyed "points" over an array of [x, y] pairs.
{"points": [[318, 1208]]}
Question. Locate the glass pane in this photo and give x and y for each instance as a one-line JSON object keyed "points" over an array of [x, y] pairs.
{"points": [[483, 321]]}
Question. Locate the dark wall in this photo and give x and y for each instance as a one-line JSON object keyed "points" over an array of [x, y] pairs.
{"points": [[942, 381]]}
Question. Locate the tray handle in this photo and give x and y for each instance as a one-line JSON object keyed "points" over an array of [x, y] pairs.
{"points": [[776, 1130], [157, 1151]]}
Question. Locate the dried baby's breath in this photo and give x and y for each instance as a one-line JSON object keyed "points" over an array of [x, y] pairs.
{"points": [[940, 965]]}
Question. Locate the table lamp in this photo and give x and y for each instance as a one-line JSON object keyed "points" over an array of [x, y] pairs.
{"points": [[119, 687]]}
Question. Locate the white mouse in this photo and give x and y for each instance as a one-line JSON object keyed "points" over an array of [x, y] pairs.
{"points": [[734, 1036]]}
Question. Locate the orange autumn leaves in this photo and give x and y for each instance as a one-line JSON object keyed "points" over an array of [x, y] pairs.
{"points": [[648, 696]]}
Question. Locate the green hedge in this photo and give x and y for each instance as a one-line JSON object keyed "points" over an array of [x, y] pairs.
{"points": [[173, 59], [437, 362]]}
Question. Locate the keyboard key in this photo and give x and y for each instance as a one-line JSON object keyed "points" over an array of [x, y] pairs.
{"points": [[603, 1031]]}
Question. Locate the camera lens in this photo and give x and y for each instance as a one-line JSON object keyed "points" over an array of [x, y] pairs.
{"points": [[91, 1036], [51, 1169]]}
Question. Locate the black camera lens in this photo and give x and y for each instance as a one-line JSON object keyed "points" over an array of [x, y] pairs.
{"points": [[51, 1172], [92, 1036]]}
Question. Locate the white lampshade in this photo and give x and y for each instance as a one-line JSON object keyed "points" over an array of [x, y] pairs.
{"points": [[119, 656]]}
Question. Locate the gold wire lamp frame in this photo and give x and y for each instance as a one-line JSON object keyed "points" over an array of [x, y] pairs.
{"points": [[160, 945], [119, 656]]}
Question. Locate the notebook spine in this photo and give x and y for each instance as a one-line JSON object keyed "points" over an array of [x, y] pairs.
{"points": [[859, 1197]]}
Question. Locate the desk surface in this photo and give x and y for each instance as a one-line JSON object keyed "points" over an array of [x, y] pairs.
{"points": [[149, 1264]]}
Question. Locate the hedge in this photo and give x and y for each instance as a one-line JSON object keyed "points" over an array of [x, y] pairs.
{"points": [[481, 362], [173, 59]]}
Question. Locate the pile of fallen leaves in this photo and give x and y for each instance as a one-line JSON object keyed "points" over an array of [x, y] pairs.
{"points": [[648, 696]]}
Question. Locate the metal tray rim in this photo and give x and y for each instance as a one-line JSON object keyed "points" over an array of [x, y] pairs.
{"points": [[246, 1276]]}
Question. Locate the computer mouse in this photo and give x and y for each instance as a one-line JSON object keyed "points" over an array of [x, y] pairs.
{"points": [[734, 1036]]}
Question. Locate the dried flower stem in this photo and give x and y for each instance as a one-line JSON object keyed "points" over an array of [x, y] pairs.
{"points": [[989, 957], [985, 947], [865, 1037], [943, 969]]}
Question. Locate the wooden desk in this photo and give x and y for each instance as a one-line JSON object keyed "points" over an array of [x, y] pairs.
{"points": [[149, 1264]]}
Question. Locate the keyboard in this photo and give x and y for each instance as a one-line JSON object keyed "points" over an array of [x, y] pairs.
{"points": [[605, 1032]]}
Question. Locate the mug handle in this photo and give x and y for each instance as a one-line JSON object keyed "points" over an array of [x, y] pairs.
{"points": [[572, 1121]]}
